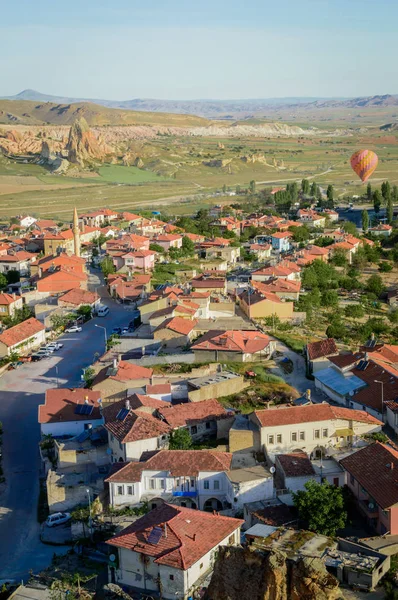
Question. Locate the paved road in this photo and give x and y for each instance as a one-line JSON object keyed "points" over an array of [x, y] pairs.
{"points": [[21, 391]]}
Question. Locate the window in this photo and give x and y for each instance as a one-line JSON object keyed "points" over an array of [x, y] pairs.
{"points": [[201, 566], [279, 438], [112, 438], [120, 446], [194, 429], [120, 490], [302, 435], [161, 484], [208, 424], [352, 479], [324, 432], [206, 485], [317, 434], [294, 436], [270, 439], [152, 484], [231, 539], [192, 483], [171, 577], [130, 490], [216, 484]]}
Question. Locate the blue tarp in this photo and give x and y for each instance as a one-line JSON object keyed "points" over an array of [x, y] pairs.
{"points": [[336, 381]]}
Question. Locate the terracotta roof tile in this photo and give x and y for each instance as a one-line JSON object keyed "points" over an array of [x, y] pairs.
{"points": [[191, 534], [178, 325], [296, 464], [322, 348], [60, 405], [78, 297], [137, 425], [248, 342], [21, 332], [192, 413], [292, 415]]}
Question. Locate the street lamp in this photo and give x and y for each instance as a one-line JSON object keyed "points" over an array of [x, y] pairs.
{"points": [[56, 371], [382, 395], [104, 328], [89, 512]]}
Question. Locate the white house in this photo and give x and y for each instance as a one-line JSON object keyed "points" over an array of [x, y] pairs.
{"points": [[22, 338], [316, 429], [294, 469], [70, 412], [170, 549], [26, 222]]}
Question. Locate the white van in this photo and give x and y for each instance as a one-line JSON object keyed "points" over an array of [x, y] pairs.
{"points": [[102, 310]]}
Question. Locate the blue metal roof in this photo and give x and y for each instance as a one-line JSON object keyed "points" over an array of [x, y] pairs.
{"points": [[336, 381]]}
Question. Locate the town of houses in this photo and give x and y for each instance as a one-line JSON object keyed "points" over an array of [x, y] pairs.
{"points": [[112, 438]]}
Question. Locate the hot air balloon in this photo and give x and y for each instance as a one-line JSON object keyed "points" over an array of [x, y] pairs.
{"points": [[364, 163]]}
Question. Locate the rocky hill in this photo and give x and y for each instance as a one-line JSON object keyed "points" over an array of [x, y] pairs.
{"points": [[83, 146], [242, 574]]}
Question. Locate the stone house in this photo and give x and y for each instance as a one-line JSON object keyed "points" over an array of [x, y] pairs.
{"points": [[9, 303], [22, 338], [175, 332], [317, 354], [113, 381], [236, 346], [180, 552], [258, 304]]}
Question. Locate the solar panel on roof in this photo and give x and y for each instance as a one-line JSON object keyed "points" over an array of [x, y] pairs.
{"points": [[78, 409], [371, 343], [83, 436], [122, 414], [360, 365], [155, 536], [84, 409]]}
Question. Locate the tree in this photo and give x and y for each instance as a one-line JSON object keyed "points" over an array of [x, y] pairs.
{"points": [[305, 187], [369, 192], [313, 189], [377, 201], [321, 507], [354, 311], [156, 248], [88, 376], [393, 316], [365, 220], [188, 246], [180, 439], [3, 281], [340, 257], [386, 190], [300, 234], [85, 311], [375, 285], [330, 298], [330, 192], [107, 266], [13, 276], [252, 187], [350, 227], [224, 188], [385, 267], [390, 210], [336, 330], [394, 193]]}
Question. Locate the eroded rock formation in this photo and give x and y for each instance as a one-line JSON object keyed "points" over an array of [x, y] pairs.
{"points": [[83, 146], [243, 574]]}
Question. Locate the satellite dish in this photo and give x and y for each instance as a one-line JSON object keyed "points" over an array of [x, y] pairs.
{"points": [[272, 470], [112, 557], [108, 451]]}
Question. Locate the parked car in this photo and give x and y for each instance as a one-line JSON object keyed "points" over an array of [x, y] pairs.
{"points": [[55, 345], [116, 331], [125, 330], [57, 519], [73, 329], [39, 355]]}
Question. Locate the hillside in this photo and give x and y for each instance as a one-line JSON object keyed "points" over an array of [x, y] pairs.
{"points": [[27, 112]]}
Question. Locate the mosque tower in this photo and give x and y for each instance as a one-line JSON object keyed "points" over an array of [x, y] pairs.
{"points": [[76, 233]]}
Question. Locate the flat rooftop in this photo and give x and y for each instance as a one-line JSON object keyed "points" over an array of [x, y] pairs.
{"points": [[244, 474], [199, 382]]}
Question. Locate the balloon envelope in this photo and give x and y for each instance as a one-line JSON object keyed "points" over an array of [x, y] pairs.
{"points": [[364, 163]]}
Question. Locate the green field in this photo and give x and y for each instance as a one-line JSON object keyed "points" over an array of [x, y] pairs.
{"points": [[127, 175]]}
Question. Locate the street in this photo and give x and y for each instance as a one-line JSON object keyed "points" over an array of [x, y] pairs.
{"points": [[21, 391]]}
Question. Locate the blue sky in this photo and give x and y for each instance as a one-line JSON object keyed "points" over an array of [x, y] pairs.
{"points": [[185, 49]]}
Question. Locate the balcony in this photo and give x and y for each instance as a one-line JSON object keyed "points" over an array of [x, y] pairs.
{"points": [[184, 494], [370, 508]]}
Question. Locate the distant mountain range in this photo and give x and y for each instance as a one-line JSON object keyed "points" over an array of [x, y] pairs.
{"points": [[219, 109]]}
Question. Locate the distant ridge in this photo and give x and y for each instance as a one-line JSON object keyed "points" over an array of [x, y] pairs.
{"points": [[218, 109]]}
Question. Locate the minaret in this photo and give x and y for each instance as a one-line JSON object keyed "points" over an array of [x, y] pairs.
{"points": [[76, 233]]}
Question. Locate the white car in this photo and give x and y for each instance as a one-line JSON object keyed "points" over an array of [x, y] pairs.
{"points": [[54, 346], [73, 329], [57, 519]]}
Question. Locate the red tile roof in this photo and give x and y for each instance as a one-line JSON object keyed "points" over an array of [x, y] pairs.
{"points": [[178, 325], [137, 425], [140, 400], [295, 464], [60, 405], [6, 299], [128, 371], [192, 413], [178, 463], [293, 415], [78, 297], [277, 285], [376, 469], [247, 342], [187, 536], [22, 331], [158, 388], [371, 394], [322, 348]]}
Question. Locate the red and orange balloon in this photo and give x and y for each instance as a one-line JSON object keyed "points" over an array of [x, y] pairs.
{"points": [[364, 163]]}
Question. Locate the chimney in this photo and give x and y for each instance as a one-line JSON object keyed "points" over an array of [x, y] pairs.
{"points": [[165, 531], [372, 336], [308, 395], [392, 466], [194, 537], [115, 363], [128, 404], [86, 400]]}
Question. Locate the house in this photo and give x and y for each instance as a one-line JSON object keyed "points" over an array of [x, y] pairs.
{"points": [[171, 544], [134, 431], [239, 346], [311, 253], [317, 354], [98, 217], [213, 250], [317, 429], [175, 332], [372, 478], [26, 222], [186, 310], [52, 263], [331, 214], [70, 412], [205, 419], [9, 303], [285, 289], [139, 260], [258, 304], [311, 218], [17, 261], [281, 241], [168, 240], [22, 338], [294, 469], [114, 381], [381, 230], [215, 386], [193, 478], [261, 251], [44, 224], [290, 272], [76, 298], [210, 283], [60, 280]]}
